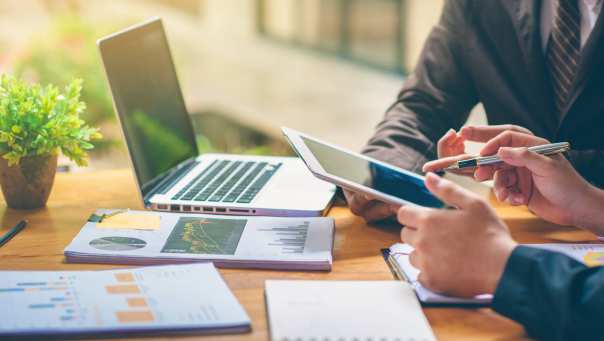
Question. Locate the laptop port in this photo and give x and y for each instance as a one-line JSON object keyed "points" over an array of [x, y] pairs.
{"points": [[221, 210], [174, 207], [238, 210], [162, 207], [186, 208], [208, 209], [196, 208]]}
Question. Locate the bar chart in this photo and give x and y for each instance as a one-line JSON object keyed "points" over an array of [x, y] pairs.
{"points": [[114, 300], [291, 239]]}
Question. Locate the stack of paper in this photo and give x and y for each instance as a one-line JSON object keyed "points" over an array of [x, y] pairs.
{"points": [[177, 298], [137, 237], [336, 310]]}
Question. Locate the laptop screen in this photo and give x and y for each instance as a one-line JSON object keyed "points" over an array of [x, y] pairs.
{"points": [[148, 101]]}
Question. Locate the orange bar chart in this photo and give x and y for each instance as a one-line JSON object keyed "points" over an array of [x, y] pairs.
{"points": [[124, 277], [134, 316], [123, 289], [137, 302]]}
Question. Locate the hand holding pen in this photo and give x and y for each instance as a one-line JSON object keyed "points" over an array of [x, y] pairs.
{"points": [[545, 149]]}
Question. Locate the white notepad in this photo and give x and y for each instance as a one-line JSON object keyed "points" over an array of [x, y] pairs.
{"points": [[345, 311]]}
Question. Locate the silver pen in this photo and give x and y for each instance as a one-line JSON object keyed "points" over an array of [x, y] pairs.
{"points": [[546, 149]]}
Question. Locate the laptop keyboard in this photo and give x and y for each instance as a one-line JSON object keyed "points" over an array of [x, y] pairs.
{"points": [[229, 182]]}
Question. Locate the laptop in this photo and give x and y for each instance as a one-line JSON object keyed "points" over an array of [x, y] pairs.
{"points": [[159, 136]]}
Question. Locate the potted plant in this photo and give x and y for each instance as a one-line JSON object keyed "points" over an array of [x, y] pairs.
{"points": [[36, 123]]}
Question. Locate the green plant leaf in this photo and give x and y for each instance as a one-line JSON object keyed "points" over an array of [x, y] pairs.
{"points": [[37, 120]]}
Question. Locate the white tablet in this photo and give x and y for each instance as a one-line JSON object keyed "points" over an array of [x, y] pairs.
{"points": [[360, 173]]}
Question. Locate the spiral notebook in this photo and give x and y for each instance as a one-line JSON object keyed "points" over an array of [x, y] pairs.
{"points": [[345, 311]]}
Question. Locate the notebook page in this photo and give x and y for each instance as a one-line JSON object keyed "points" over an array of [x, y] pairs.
{"points": [[345, 310]]}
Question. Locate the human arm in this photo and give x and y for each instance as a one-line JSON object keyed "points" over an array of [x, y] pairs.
{"points": [[553, 296], [469, 251], [437, 96], [548, 185]]}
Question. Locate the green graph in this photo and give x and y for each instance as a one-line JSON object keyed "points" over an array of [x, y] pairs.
{"points": [[205, 236]]}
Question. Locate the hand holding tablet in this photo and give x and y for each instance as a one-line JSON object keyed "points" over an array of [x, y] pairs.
{"points": [[361, 174]]}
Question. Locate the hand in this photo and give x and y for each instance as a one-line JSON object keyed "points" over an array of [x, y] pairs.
{"points": [[548, 185], [451, 146], [459, 252], [370, 209]]}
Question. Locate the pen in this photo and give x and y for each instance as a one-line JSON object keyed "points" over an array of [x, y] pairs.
{"points": [[12, 232], [546, 149]]}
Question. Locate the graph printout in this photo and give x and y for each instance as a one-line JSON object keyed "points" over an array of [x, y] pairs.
{"points": [[261, 242], [176, 297]]}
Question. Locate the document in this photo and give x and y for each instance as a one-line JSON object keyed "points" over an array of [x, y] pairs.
{"points": [[228, 241], [397, 258], [345, 310], [151, 299]]}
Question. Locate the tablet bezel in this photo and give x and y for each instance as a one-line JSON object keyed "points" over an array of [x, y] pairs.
{"points": [[295, 139]]}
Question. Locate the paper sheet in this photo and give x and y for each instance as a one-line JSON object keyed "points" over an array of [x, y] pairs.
{"points": [[131, 221], [152, 298], [345, 310]]}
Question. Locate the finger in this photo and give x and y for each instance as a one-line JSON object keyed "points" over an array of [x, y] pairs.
{"points": [[524, 188], [505, 178], [357, 203], [485, 133], [414, 259], [521, 157], [448, 138], [484, 173], [377, 210], [502, 194], [424, 280], [444, 162], [449, 192], [511, 139], [409, 235], [413, 215]]}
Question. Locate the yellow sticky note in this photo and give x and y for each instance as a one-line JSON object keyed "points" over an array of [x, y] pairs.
{"points": [[594, 258], [130, 221]]}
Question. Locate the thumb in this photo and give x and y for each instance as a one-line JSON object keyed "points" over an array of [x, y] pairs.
{"points": [[449, 192], [522, 157]]}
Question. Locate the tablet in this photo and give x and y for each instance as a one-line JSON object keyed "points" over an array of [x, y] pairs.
{"points": [[360, 173]]}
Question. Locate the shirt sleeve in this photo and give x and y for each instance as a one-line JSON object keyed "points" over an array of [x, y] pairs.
{"points": [[552, 295]]}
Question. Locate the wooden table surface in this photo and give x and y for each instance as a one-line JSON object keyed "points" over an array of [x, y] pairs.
{"points": [[356, 256]]}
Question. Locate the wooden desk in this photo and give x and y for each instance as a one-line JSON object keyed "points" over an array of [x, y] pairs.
{"points": [[75, 196]]}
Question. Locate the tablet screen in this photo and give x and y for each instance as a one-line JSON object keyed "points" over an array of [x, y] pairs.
{"points": [[373, 175]]}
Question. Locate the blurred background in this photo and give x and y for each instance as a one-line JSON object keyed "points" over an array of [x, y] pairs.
{"points": [[327, 67]]}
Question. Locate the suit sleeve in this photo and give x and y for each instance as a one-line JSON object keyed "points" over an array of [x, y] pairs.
{"points": [[590, 164], [552, 295], [437, 96]]}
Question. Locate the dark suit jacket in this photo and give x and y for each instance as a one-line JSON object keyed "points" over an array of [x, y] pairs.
{"points": [[552, 295], [490, 51]]}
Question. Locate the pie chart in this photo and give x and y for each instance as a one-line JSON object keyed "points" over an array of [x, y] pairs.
{"points": [[117, 243]]}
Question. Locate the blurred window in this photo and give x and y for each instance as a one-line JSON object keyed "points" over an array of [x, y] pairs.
{"points": [[366, 31]]}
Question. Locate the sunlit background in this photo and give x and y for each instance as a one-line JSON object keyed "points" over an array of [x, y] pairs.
{"points": [[327, 67]]}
